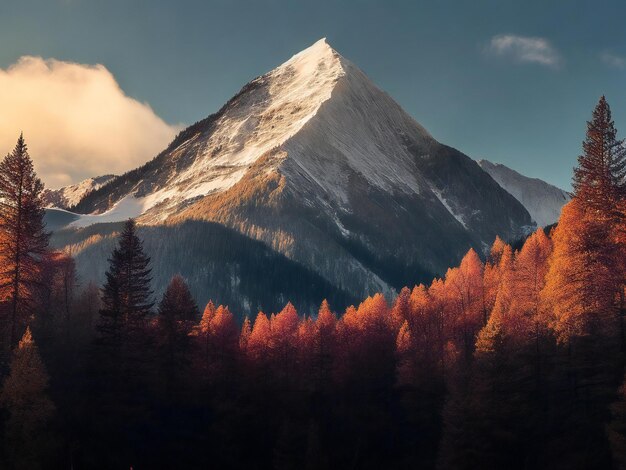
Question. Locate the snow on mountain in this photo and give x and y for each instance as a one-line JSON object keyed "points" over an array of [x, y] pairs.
{"points": [[542, 200], [322, 166], [69, 196]]}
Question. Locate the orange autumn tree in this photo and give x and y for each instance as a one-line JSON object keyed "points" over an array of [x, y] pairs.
{"points": [[582, 280], [324, 346], [283, 342], [217, 343], [586, 272], [499, 260], [366, 343], [464, 290], [528, 279]]}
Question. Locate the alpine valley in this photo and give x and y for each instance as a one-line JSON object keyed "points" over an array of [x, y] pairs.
{"points": [[311, 182]]}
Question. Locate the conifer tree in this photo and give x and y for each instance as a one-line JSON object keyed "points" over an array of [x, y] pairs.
{"points": [[24, 397], [324, 345], [126, 294], [23, 239], [246, 331], [600, 178]]}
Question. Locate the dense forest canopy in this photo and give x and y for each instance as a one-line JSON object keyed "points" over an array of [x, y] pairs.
{"points": [[512, 361]]}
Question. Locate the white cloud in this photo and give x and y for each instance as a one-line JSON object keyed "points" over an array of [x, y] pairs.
{"points": [[525, 49], [613, 60], [76, 120]]}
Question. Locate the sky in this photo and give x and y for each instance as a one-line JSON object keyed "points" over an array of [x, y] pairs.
{"points": [[102, 86]]}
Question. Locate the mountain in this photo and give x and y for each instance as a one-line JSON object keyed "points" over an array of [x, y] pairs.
{"points": [[542, 200], [69, 196], [324, 168]]}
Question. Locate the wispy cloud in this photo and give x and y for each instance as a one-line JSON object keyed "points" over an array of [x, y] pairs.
{"points": [[77, 120], [613, 60], [525, 49]]}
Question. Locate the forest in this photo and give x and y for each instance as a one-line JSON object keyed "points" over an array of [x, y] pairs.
{"points": [[512, 359]]}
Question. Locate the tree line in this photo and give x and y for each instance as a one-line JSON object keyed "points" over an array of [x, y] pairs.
{"points": [[511, 361]]}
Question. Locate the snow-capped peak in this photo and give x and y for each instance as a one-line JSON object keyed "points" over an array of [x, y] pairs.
{"points": [[319, 52]]}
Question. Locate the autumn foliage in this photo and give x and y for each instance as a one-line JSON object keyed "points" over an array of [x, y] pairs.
{"points": [[512, 359]]}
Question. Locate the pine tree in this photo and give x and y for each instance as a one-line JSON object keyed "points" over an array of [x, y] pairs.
{"points": [[126, 294], [23, 239], [24, 397], [600, 178]]}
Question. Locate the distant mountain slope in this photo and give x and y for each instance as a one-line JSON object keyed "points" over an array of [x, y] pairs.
{"points": [[325, 168], [542, 200], [219, 264], [69, 196]]}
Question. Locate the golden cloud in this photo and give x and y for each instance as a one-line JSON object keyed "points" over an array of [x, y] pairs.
{"points": [[76, 119]]}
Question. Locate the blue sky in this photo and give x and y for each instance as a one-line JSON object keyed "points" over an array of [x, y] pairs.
{"points": [[511, 81]]}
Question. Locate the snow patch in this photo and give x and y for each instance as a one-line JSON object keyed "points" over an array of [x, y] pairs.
{"points": [[445, 203]]}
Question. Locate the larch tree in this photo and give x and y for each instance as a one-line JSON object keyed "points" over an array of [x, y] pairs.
{"points": [[324, 345], [23, 239], [500, 258], [224, 340], [464, 289], [582, 279], [24, 397], [244, 336], [259, 340], [284, 328], [531, 266]]}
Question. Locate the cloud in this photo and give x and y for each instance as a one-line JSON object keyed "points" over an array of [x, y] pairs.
{"points": [[76, 120], [525, 49], [613, 60]]}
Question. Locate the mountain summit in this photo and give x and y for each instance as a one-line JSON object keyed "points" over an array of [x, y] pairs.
{"points": [[325, 168]]}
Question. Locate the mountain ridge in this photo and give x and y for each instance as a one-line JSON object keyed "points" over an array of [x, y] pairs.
{"points": [[542, 200]]}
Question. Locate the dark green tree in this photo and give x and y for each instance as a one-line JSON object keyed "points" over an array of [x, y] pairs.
{"points": [[126, 294]]}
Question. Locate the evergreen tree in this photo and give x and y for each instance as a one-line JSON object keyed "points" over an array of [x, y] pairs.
{"points": [[126, 294], [23, 239], [124, 361], [24, 397], [600, 176]]}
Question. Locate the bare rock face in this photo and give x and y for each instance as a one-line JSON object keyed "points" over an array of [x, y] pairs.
{"points": [[68, 196]]}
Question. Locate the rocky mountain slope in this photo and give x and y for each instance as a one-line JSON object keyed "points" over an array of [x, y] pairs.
{"points": [[68, 196], [542, 200], [320, 165]]}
